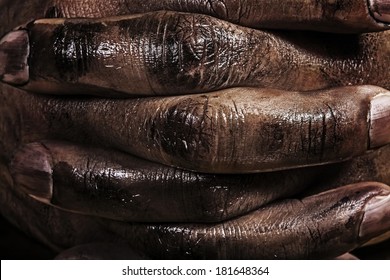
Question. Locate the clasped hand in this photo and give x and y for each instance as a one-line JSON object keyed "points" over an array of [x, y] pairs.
{"points": [[196, 129]]}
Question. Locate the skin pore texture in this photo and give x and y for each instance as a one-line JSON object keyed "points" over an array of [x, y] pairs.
{"points": [[221, 141]]}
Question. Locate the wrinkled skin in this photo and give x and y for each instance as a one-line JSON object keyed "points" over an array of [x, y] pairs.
{"points": [[76, 155]]}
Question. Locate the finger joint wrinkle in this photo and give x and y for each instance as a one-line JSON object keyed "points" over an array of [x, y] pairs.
{"points": [[198, 51], [74, 49], [185, 129], [315, 131]]}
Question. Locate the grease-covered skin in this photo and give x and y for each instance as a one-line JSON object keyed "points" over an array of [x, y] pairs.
{"points": [[123, 187], [165, 53], [325, 15], [84, 229], [77, 229], [232, 131], [350, 216], [254, 235]]}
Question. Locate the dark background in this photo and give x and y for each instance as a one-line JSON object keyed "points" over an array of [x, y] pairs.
{"points": [[16, 245]]}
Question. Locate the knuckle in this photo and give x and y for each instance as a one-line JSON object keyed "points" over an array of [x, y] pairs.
{"points": [[189, 53], [186, 131]]}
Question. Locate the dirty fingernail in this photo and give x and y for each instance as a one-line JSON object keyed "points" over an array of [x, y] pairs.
{"points": [[376, 219], [31, 170], [14, 52], [380, 120], [380, 9]]}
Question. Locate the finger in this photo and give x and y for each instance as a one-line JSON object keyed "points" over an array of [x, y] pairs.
{"points": [[121, 187], [233, 131], [340, 16], [101, 251], [347, 256], [321, 226], [165, 53], [13, 58]]}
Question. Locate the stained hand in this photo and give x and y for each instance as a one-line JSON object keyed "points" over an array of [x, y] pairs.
{"points": [[158, 160]]}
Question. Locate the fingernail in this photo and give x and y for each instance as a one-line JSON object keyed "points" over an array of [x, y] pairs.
{"points": [[380, 121], [14, 52], [31, 170], [380, 9], [376, 219]]}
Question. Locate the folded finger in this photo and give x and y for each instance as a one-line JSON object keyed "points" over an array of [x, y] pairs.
{"points": [[109, 184], [171, 130], [231, 131], [347, 256], [166, 53], [118, 186], [321, 226], [340, 16]]}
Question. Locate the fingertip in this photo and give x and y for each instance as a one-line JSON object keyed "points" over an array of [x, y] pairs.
{"points": [[31, 169], [347, 256], [379, 131], [380, 10], [376, 219], [14, 52]]}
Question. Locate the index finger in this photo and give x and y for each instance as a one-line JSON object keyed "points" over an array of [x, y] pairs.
{"points": [[325, 15], [239, 130], [166, 53]]}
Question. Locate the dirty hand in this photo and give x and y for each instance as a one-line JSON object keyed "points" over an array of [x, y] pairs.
{"points": [[217, 145]]}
